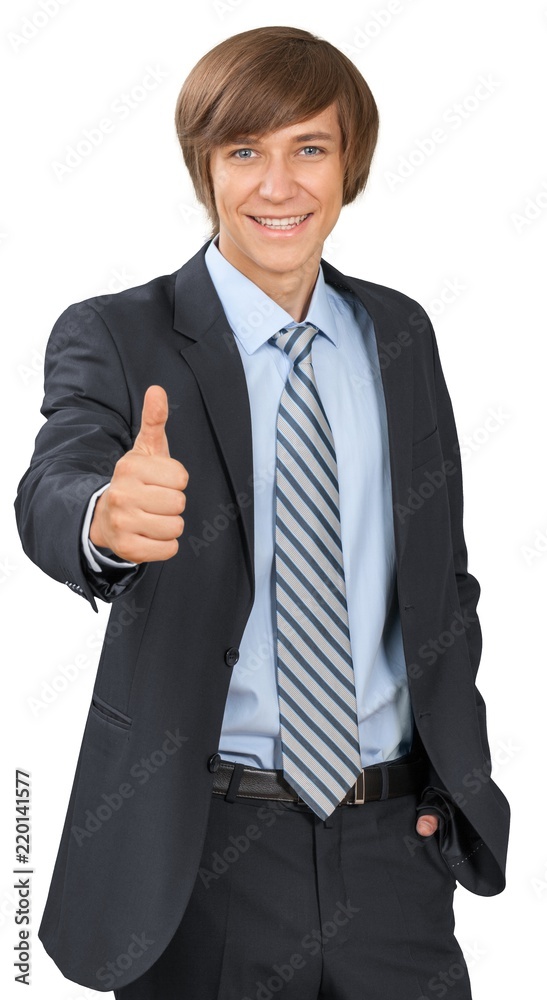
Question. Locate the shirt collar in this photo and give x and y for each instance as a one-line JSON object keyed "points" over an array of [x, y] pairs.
{"points": [[253, 315]]}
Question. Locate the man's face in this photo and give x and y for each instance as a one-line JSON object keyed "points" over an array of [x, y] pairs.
{"points": [[294, 172]]}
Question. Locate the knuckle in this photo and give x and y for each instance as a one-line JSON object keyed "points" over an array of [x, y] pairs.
{"points": [[116, 498], [137, 552], [124, 463], [116, 518], [183, 476]]}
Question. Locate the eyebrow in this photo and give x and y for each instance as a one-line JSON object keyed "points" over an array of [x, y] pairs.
{"points": [[307, 137]]}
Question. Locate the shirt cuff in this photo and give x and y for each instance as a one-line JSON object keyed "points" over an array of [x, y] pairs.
{"points": [[96, 558]]}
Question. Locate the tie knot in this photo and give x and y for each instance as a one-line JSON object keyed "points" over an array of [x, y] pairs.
{"points": [[296, 341]]}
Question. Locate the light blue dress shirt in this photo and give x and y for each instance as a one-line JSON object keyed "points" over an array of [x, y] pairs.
{"points": [[348, 377]]}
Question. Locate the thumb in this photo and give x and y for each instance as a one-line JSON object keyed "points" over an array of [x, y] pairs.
{"points": [[152, 439], [427, 824]]}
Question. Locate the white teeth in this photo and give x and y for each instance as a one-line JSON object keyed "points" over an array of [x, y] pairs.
{"points": [[294, 220]]}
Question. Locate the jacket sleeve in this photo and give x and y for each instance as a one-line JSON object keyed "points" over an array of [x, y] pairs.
{"points": [[467, 585], [88, 428], [457, 836]]}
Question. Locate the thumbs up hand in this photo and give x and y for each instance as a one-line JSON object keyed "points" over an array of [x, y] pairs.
{"points": [[152, 439], [138, 516]]}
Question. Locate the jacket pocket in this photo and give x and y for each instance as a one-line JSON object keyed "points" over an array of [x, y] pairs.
{"points": [[109, 713], [428, 447]]}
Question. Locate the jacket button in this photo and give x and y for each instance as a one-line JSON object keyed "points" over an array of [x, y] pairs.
{"points": [[231, 656], [214, 762]]}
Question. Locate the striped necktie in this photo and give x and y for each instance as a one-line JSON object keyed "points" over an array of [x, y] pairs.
{"points": [[317, 701]]}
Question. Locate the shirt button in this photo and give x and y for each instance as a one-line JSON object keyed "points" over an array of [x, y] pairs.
{"points": [[231, 656], [214, 762]]}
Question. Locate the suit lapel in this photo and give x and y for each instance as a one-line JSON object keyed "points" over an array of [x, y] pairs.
{"points": [[213, 355], [397, 380]]}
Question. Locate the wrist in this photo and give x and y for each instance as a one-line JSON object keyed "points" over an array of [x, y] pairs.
{"points": [[95, 531]]}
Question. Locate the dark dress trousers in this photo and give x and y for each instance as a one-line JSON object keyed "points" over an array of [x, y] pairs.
{"points": [[134, 832]]}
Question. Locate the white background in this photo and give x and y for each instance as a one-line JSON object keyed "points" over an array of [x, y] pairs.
{"points": [[127, 213]]}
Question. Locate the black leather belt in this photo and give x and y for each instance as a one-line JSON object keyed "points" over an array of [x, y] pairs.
{"points": [[402, 776]]}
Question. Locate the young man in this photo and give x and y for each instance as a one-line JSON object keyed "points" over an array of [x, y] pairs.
{"points": [[285, 769]]}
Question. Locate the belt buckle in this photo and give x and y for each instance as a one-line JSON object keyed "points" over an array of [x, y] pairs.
{"points": [[358, 791]]}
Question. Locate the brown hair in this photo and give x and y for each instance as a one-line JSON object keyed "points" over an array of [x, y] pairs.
{"points": [[262, 80]]}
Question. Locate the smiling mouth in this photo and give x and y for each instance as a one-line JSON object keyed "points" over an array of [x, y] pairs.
{"points": [[290, 222]]}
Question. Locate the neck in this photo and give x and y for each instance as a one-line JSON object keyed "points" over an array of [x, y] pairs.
{"points": [[292, 290]]}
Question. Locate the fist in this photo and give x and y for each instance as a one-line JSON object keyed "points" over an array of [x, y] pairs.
{"points": [[139, 515]]}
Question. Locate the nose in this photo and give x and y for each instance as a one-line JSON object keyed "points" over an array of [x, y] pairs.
{"points": [[277, 182]]}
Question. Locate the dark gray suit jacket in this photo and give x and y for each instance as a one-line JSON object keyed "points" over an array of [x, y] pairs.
{"points": [[138, 810]]}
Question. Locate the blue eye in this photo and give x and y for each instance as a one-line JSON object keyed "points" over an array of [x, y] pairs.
{"points": [[246, 149]]}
